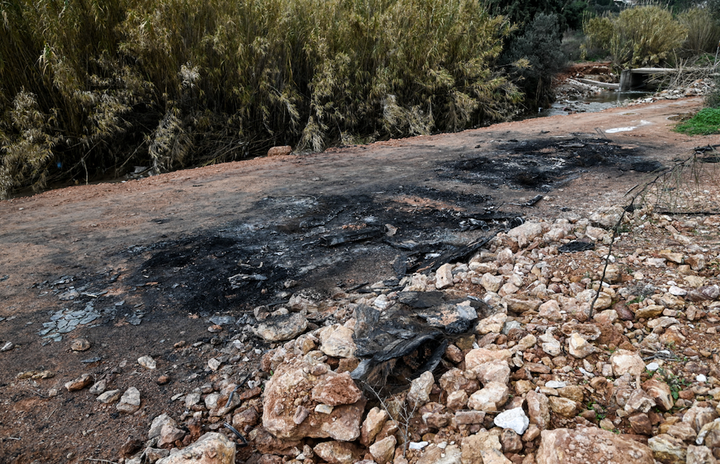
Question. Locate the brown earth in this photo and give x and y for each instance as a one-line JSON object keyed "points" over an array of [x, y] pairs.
{"points": [[154, 256]]}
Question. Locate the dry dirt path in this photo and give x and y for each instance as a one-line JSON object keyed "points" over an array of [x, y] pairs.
{"points": [[146, 263]]}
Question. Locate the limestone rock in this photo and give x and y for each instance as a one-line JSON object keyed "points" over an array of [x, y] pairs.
{"points": [[563, 406], [521, 303], [514, 419], [491, 283], [479, 356], [372, 425], [147, 362], [709, 435], [337, 341], [682, 431], [420, 389], [443, 276], [667, 449], [627, 362], [510, 441], [660, 392], [579, 347], [130, 401], [641, 424], [169, 434], [639, 401], [158, 423], [336, 452], [337, 390], [80, 344], [384, 450], [81, 382], [482, 448], [211, 448], [607, 217], [280, 328], [589, 444], [550, 344], [649, 312], [436, 455], [109, 396], [550, 310], [526, 233], [489, 398], [699, 455], [538, 408], [493, 371], [492, 324], [698, 416], [293, 382]]}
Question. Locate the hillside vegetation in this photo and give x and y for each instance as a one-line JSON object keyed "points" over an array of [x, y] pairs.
{"points": [[90, 87]]}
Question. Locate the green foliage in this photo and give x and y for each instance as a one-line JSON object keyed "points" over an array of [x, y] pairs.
{"points": [[706, 122], [90, 86], [641, 36], [540, 46], [674, 381], [703, 31]]}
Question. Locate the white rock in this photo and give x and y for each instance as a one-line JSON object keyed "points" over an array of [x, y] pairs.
{"points": [[627, 362], [443, 276], [417, 445], [130, 401], [147, 362], [514, 419], [420, 389], [211, 448], [677, 291], [652, 367], [214, 364]]}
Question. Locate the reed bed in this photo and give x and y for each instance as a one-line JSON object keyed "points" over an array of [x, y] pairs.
{"points": [[92, 87]]}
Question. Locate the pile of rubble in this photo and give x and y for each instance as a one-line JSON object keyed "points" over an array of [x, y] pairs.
{"points": [[698, 87], [548, 371]]}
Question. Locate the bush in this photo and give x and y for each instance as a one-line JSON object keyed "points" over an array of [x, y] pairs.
{"points": [[540, 46], [706, 122], [703, 31], [90, 87], [641, 36]]}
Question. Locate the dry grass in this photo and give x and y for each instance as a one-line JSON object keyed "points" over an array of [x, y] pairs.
{"points": [[90, 85]]}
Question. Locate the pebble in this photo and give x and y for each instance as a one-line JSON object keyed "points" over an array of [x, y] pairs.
{"points": [[7, 347], [80, 344], [147, 362], [130, 401]]}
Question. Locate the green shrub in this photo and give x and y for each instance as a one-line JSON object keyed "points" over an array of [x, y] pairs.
{"points": [[169, 83], [540, 46], [640, 36], [703, 31], [706, 122]]}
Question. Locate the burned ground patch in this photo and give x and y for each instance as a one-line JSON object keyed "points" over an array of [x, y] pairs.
{"points": [[320, 242], [543, 164]]}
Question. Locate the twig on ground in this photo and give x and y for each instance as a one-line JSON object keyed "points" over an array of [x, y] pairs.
{"points": [[403, 419], [630, 207]]}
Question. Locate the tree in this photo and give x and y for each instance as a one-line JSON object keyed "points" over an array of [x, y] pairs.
{"points": [[539, 49]]}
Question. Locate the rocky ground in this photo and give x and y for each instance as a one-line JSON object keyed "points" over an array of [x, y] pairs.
{"points": [[540, 375], [114, 359]]}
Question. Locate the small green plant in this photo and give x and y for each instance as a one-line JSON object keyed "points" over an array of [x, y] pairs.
{"points": [[674, 381], [637, 299], [706, 122]]}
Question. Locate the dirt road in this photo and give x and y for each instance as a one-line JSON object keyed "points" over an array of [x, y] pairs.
{"points": [[136, 267]]}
